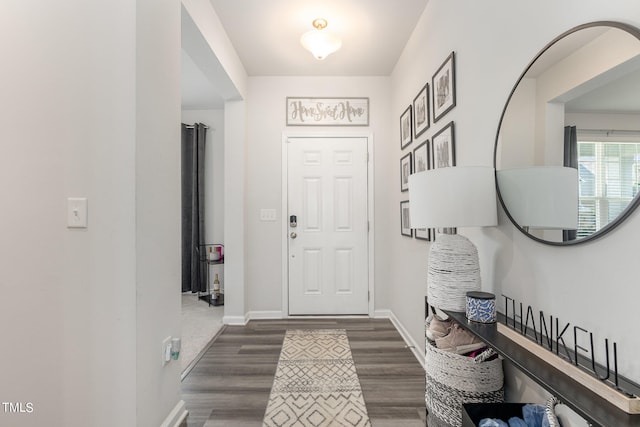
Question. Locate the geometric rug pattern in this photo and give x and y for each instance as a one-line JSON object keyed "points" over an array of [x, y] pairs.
{"points": [[316, 383]]}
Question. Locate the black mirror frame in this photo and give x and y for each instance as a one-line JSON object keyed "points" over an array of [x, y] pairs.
{"points": [[636, 200]]}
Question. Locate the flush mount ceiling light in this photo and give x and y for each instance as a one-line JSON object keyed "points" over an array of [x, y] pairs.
{"points": [[320, 42]]}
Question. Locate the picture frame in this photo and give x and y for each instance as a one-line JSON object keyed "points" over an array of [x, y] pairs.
{"points": [[405, 128], [421, 157], [422, 234], [421, 113], [443, 147], [422, 162], [443, 88], [405, 220], [405, 170]]}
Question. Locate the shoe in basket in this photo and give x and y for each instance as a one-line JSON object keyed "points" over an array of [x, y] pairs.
{"points": [[437, 328], [459, 341]]}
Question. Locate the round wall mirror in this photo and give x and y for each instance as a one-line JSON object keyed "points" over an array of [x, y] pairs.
{"points": [[567, 153]]}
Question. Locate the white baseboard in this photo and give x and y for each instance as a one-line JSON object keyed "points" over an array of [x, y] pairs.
{"points": [[417, 349], [382, 314], [176, 416], [265, 315], [252, 315], [235, 320]]}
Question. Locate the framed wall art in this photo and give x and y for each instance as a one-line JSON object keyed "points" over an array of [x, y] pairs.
{"points": [[422, 233], [405, 171], [405, 221], [405, 128], [421, 111], [443, 88], [443, 147], [421, 160]]}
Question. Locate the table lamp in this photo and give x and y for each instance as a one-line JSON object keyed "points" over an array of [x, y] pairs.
{"points": [[461, 196]]}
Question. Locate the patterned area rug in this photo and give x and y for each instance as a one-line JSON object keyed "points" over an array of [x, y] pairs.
{"points": [[316, 383]]}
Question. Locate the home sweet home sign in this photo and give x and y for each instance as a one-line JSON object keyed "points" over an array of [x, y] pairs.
{"points": [[327, 111]]}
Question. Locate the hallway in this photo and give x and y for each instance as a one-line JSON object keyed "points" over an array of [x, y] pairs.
{"points": [[230, 385]]}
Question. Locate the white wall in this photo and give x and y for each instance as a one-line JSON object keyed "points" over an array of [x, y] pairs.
{"points": [[71, 300], [265, 124], [592, 285], [235, 151], [600, 122], [157, 209], [214, 54]]}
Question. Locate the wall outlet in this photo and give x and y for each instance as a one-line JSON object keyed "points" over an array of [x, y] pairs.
{"points": [[166, 350]]}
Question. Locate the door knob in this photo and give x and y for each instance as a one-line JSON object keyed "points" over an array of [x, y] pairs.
{"points": [[293, 235]]}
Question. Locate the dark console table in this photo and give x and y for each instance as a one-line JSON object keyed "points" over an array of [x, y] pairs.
{"points": [[586, 403]]}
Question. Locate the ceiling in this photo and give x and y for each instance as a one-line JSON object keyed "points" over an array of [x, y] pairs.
{"points": [[266, 36], [619, 96]]}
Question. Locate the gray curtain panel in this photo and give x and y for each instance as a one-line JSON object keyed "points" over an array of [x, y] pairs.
{"points": [[192, 153]]}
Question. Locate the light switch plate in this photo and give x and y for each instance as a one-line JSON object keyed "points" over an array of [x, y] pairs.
{"points": [[77, 212], [267, 214]]}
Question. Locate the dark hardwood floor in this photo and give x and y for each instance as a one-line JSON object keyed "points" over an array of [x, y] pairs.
{"points": [[230, 385]]}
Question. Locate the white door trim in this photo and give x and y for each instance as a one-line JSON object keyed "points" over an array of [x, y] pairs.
{"points": [[285, 203]]}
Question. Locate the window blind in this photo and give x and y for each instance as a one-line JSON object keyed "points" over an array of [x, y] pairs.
{"points": [[609, 177]]}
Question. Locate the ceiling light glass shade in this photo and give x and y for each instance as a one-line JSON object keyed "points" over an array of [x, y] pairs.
{"points": [[320, 43], [461, 196], [544, 197]]}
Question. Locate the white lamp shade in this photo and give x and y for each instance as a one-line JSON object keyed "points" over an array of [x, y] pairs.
{"points": [[462, 196], [543, 197], [320, 43]]}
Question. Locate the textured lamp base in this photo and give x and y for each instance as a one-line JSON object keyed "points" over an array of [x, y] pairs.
{"points": [[453, 271]]}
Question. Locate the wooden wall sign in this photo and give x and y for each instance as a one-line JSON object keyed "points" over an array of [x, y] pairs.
{"points": [[327, 111]]}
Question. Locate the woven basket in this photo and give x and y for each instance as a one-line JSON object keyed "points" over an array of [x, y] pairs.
{"points": [[453, 379]]}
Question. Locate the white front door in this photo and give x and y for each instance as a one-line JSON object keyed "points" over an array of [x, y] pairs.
{"points": [[328, 246]]}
